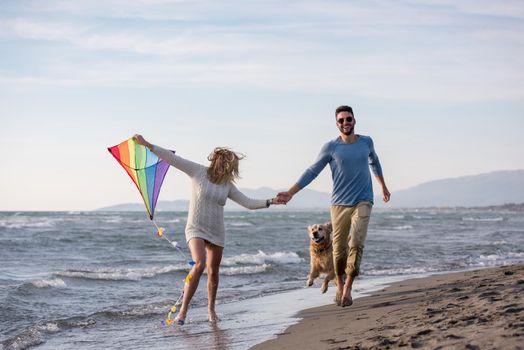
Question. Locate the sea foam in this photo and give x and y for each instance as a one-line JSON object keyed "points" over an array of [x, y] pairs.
{"points": [[121, 274], [244, 270], [262, 258], [483, 219], [55, 282]]}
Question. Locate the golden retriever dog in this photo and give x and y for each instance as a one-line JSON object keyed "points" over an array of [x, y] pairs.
{"points": [[321, 252]]}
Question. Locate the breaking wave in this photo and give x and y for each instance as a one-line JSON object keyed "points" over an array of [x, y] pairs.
{"points": [[262, 258]]}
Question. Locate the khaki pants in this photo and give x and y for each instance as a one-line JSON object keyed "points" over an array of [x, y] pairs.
{"points": [[350, 227]]}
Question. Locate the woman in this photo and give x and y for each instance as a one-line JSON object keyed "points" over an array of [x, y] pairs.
{"points": [[205, 236]]}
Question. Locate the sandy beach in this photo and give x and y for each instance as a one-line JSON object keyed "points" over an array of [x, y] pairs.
{"points": [[481, 309]]}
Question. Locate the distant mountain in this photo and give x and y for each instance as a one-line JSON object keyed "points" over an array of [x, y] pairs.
{"points": [[490, 189], [178, 205], [495, 188], [306, 199]]}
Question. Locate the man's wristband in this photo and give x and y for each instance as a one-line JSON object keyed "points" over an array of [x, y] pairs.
{"points": [[268, 202]]}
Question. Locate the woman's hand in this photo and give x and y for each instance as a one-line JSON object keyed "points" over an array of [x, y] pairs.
{"points": [[139, 139], [142, 141]]}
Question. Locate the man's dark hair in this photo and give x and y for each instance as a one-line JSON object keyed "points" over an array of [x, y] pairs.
{"points": [[344, 109]]}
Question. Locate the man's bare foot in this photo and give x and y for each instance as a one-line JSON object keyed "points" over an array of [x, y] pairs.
{"points": [[338, 298], [346, 300], [213, 318]]}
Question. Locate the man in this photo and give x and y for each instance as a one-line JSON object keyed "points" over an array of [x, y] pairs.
{"points": [[349, 157]]}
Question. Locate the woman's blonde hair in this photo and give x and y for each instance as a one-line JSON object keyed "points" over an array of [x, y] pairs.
{"points": [[224, 165]]}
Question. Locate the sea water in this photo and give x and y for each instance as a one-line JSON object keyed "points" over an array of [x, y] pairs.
{"points": [[92, 280]]}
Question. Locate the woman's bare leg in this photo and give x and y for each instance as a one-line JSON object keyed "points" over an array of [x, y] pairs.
{"points": [[197, 247], [214, 256]]}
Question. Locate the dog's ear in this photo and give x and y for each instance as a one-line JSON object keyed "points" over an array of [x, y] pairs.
{"points": [[329, 226], [309, 228]]}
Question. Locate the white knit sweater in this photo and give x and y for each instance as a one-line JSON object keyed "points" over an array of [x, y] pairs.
{"points": [[206, 206]]}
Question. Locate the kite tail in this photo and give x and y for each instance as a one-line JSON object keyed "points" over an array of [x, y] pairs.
{"points": [[170, 320]]}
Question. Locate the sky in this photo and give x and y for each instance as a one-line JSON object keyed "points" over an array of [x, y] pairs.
{"points": [[438, 85]]}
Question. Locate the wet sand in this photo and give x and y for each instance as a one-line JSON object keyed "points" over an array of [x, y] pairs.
{"points": [[481, 309]]}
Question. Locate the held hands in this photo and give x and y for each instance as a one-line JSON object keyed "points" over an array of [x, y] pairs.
{"points": [[275, 201], [283, 197]]}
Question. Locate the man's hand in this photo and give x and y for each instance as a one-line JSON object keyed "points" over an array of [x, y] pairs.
{"points": [[385, 194]]}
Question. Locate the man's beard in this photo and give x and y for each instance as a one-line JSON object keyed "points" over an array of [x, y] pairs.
{"points": [[348, 133]]}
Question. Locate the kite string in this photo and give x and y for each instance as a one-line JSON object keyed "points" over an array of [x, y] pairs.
{"points": [[160, 233], [158, 228]]}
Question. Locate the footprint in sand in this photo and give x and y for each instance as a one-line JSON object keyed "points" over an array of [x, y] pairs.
{"points": [[513, 310], [485, 295], [424, 332], [453, 336], [332, 341]]}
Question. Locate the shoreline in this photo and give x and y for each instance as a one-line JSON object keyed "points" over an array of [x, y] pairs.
{"points": [[471, 309]]}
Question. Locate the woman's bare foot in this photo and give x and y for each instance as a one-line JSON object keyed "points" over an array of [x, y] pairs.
{"points": [[180, 319], [213, 318]]}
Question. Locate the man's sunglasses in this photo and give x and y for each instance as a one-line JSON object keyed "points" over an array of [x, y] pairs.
{"points": [[347, 119]]}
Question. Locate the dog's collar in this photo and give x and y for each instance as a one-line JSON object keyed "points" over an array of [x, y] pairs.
{"points": [[322, 250]]}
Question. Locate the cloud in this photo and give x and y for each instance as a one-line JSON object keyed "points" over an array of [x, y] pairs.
{"points": [[506, 8], [431, 51], [377, 11], [38, 30]]}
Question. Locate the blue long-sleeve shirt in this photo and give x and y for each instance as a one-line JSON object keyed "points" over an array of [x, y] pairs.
{"points": [[349, 163]]}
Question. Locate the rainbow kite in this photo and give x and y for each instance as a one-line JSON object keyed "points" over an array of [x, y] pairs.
{"points": [[148, 172], [145, 169]]}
